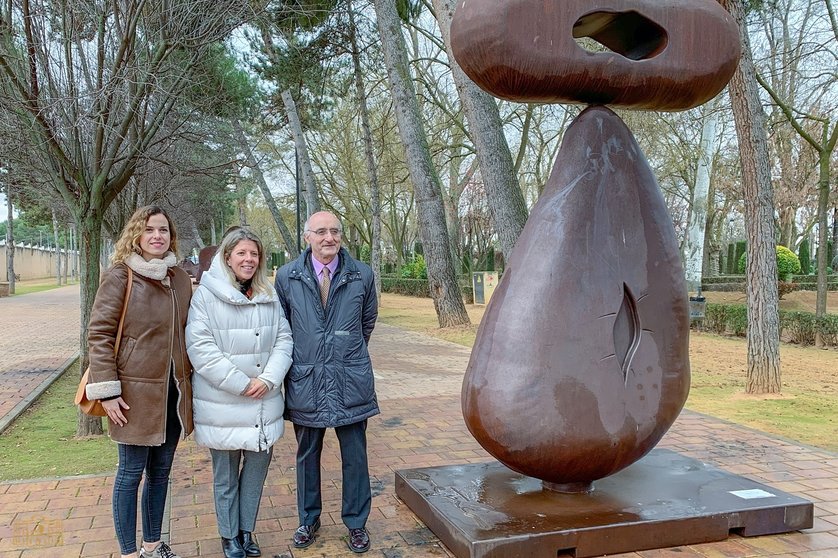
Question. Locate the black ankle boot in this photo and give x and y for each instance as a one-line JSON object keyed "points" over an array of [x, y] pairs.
{"points": [[249, 544], [232, 548]]}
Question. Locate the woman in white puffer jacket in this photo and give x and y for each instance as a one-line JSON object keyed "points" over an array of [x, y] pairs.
{"points": [[239, 343]]}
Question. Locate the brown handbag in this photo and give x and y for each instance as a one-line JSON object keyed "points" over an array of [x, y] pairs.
{"points": [[93, 407]]}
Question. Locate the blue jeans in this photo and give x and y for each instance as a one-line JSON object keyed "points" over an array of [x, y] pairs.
{"points": [[156, 461]]}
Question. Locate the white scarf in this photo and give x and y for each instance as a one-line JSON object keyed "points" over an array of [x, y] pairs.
{"points": [[154, 268]]}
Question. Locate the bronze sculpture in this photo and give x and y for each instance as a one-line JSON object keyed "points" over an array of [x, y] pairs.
{"points": [[581, 362]]}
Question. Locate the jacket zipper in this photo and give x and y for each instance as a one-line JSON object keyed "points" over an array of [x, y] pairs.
{"points": [[176, 322], [171, 369]]}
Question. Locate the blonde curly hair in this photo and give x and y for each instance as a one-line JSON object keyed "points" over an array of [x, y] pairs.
{"points": [[129, 241]]}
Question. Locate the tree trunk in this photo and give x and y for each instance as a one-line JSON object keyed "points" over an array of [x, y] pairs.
{"points": [[442, 278], [823, 245], [761, 270], [309, 186], [788, 227], [90, 234], [290, 243], [834, 238], [503, 192], [694, 254], [369, 155], [57, 248], [10, 240], [199, 242], [67, 244], [241, 202]]}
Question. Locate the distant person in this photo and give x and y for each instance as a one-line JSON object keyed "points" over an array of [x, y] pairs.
{"points": [[240, 345], [330, 300], [145, 389]]}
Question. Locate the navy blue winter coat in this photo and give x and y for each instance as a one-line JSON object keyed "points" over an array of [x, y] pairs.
{"points": [[331, 380]]}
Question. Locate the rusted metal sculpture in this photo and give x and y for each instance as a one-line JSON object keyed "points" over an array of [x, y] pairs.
{"points": [[664, 54], [581, 362]]}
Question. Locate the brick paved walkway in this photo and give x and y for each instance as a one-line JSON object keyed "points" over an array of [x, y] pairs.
{"points": [[40, 335], [418, 381]]}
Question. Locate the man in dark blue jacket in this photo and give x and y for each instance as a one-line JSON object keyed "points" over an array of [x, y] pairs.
{"points": [[329, 299]]}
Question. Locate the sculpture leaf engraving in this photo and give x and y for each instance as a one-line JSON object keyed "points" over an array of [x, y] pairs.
{"points": [[626, 332]]}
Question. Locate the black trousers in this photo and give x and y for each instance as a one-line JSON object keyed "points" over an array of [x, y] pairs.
{"points": [[357, 496]]}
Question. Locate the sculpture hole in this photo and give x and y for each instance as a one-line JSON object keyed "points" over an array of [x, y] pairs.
{"points": [[626, 33], [626, 331]]}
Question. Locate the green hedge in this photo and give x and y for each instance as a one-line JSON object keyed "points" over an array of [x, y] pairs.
{"points": [[799, 327], [736, 283], [405, 286], [418, 287]]}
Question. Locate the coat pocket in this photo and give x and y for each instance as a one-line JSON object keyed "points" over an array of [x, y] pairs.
{"points": [[126, 348], [358, 383], [300, 392]]}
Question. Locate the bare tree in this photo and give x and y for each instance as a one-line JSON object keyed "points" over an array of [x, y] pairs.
{"points": [[442, 277], [694, 254], [816, 123], [92, 85], [259, 176], [369, 155], [506, 202], [763, 335]]}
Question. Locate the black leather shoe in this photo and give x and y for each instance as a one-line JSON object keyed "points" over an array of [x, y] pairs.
{"points": [[359, 540], [232, 548], [249, 544], [304, 535]]}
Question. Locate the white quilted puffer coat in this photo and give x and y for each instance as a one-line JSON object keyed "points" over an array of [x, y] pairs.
{"points": [[230, 340]]}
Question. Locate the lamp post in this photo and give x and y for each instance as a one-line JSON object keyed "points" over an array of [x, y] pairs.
{"points": [[297, 180]]}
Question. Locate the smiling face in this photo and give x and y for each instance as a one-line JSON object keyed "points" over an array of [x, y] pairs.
{"points": [[324, 235], [156, 238], [244, 260]]}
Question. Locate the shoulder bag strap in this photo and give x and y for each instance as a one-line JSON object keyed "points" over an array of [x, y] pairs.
{"points": [[124, 310]]}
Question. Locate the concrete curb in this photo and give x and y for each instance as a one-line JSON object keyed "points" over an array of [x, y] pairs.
{"points": [[18, 409]]}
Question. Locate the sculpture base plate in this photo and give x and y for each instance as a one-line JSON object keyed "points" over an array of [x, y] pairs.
{"points": [[486, 510]]}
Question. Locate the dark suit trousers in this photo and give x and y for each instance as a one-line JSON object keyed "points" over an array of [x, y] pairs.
{"points": [[357, 496]]}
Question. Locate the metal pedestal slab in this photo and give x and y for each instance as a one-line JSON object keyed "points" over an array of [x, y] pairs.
{"points": [[486, 510]]}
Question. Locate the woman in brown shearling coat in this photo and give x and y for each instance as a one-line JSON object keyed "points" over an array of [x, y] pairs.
{"points": [[146, 389]]}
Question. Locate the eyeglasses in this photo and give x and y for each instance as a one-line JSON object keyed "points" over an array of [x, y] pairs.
{"points": [[322, 232]]}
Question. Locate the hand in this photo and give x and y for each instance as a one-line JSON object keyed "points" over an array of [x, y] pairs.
{"points": [[256, 389], [114, 410]]}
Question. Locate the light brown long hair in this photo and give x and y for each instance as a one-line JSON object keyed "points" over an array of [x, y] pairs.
{"points": [[259, 283], [129, 240]]}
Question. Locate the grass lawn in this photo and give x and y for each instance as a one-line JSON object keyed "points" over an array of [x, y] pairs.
{"points": [[42, 443], [37, 285], [807, 409], [798, 301]]}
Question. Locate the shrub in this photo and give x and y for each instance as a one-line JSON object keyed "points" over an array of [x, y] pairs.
{"points": [[828, 326], [787, 262], [741, 248], [800, 327], [737, 319], [730, 261], [715, 318], [786, 287], [804, 257], [415, 269], [405, 286]]}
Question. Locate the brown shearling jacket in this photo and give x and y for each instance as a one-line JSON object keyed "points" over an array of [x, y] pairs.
{"points": [[152, 342]]}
